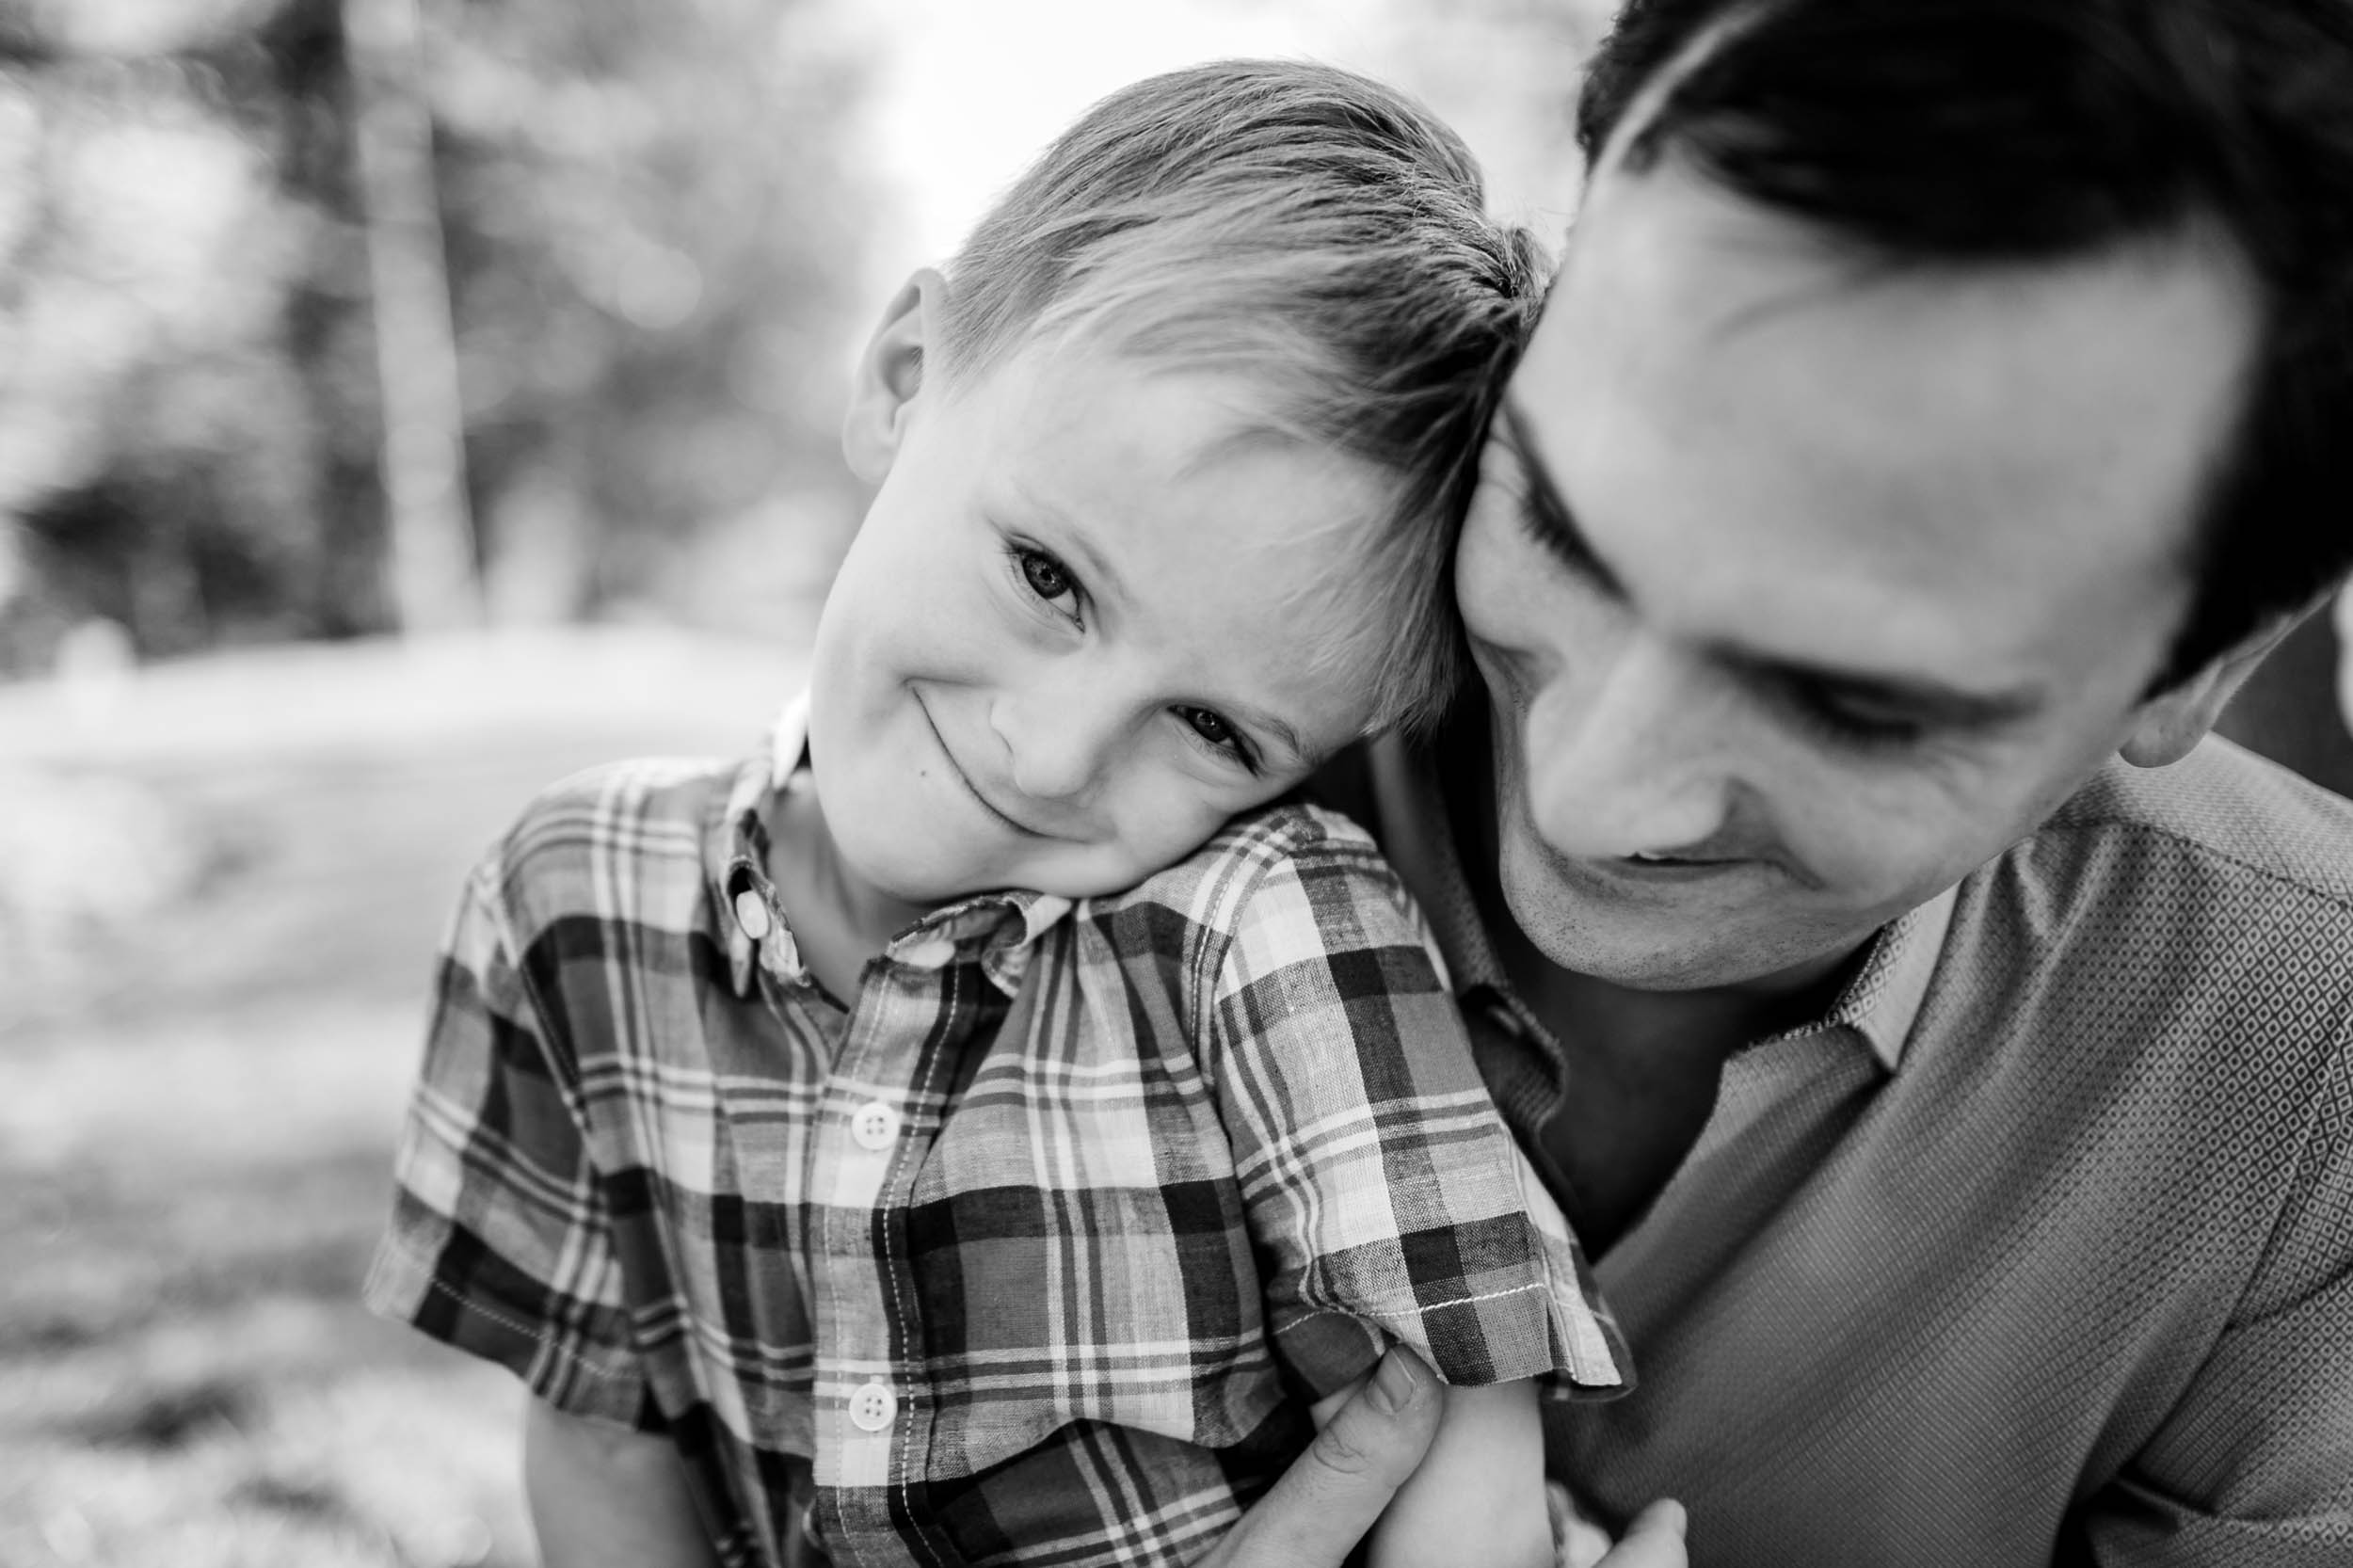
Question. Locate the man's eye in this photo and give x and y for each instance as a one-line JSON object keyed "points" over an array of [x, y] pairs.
{"points": [[1864, 727], [1047, 578]]}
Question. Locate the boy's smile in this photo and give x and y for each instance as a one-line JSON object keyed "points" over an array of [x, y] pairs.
{"points": [[1093, 611]]}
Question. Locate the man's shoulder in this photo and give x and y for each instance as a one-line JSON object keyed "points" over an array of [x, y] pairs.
{"points": [[2241, 820], [2209, 903]]}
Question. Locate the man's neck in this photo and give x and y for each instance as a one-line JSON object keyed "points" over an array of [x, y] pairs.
{"points": [[1594, 1016]]}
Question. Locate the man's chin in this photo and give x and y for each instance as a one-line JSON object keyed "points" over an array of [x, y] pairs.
{"points": [[1653, 932]]}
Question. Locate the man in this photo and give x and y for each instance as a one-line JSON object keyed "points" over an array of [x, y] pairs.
{"points": [[1948, 1055]]}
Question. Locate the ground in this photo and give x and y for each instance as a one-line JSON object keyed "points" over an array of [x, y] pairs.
{"points": [[220, 883]]}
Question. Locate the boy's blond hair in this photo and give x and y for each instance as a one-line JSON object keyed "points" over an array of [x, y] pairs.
{"points": [[1317, 234]]}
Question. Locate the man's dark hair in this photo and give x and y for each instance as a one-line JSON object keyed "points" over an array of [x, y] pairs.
{"points": [[1984, 132]]}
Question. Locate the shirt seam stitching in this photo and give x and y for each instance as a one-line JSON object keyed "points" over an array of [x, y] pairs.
{"points": [[2134, 827], [523, 1327]]}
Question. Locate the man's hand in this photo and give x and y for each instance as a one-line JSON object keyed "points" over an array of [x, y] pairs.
{"points": [[1333, 1493], [1653, 1540]]}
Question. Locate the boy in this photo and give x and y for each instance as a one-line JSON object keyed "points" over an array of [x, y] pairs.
{"points": [[935, 1221]]}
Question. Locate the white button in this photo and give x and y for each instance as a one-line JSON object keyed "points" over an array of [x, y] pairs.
{"points": [[873, 1407], [751, 913], [928, 952], [874, 1125]]}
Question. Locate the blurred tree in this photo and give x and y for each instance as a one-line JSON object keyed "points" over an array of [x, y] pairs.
{"points": [[654, 238], [652, 235], [428, 524]]}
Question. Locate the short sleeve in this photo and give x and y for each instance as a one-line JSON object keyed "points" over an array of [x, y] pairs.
{"points": [[2255, 1463], [500, 1242], [1385, 1196]]}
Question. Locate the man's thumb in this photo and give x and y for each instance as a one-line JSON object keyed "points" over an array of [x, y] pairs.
{"points": [[1331, 1495], [1653, 1540]]}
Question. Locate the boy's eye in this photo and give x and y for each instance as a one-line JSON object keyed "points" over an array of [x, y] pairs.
{"points": [[1211, 726], [1221, 735], [1047, 578]]}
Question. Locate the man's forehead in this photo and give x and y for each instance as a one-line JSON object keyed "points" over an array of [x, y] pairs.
{"points": [[1671, 228], [2107, 385], [1719, 392]]}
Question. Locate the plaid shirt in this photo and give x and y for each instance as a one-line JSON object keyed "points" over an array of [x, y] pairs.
{"points": [[1036, 1252]]}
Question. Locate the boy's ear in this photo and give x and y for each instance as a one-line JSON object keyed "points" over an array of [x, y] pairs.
{"points": [[2171, 723], [891, 377]]}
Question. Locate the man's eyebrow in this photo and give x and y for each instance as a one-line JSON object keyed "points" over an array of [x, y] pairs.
{"points": [[1547, 513], [1925, 701]]}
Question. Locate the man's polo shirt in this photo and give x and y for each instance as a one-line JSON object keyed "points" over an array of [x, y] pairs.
{"points": [[2038, 1247]]}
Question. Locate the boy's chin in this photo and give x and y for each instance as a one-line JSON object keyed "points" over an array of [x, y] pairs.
{"points": [[1069, 881]]}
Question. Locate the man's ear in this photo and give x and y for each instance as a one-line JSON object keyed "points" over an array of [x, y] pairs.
{"points": [[2172, 722], [892, 374]]}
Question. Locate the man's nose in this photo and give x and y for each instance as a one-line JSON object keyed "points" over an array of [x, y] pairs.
{"points": [[1058, 734], [1630, 759]]}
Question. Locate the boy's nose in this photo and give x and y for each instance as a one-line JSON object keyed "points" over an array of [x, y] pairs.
{"points": [[1055, 743]]}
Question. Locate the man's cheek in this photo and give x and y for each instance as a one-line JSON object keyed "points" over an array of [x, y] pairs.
{"points": [[1872, 840]]}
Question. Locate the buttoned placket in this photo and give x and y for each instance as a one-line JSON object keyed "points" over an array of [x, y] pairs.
{"points": [[871, 1136], [873, 1422]]}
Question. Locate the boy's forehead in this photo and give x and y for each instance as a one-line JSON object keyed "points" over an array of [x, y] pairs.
{"points": [[1073, 423], [1062, 388]]}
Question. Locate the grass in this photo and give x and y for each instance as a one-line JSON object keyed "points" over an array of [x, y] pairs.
{"points": [[222, 883]]}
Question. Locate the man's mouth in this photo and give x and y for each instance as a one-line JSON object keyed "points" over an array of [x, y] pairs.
{"points": [[1674, 867]]}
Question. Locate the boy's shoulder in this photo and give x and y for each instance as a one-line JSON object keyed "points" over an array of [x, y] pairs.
{"points": [[1273, 840], [630, 838], [1293, 862]]}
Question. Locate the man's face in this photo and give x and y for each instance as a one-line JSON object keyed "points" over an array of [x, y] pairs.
{"points": [[1850, 581], [1079, 628]]}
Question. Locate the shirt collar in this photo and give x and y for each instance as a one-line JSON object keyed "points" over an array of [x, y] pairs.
{"points": [[1883, 1001], [1880, 1002], [1002, 927]]}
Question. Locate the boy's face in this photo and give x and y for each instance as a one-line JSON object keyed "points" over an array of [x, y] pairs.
{"points": [[1078, 627]]}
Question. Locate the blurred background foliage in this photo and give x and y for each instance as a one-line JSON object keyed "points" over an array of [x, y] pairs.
{"points": [[651, 238]]}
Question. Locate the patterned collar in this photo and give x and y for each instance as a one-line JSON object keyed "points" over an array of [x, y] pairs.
{"points": [[1879, 1003], [1004, 927]]}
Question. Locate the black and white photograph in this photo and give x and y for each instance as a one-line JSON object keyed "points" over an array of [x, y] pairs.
{"points": [[1205, 784]]}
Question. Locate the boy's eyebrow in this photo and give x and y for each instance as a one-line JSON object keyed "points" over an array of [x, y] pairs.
{"points": [[1286, 736], [1548, 515], [1095, 571]]}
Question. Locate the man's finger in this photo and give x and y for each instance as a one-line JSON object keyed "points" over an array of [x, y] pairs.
{"points": [[1577, 1541], [1653, 1540], [1333, 1493]]}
